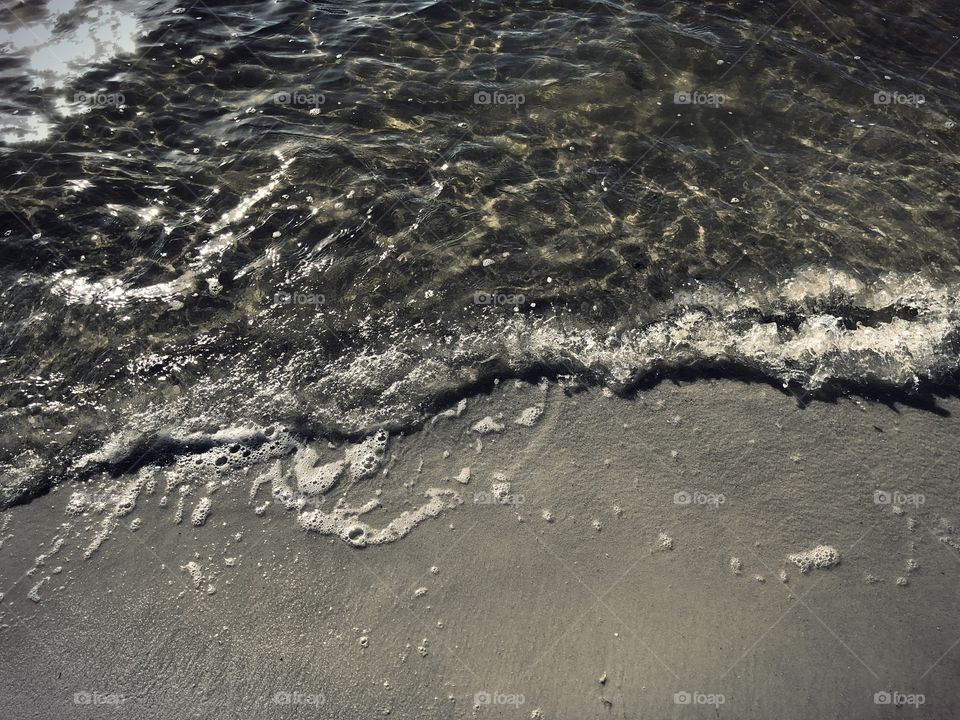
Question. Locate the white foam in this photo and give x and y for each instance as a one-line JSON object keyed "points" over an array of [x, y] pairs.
{"points": [[313, 480], [106, 528], [499, 488], [195, 571], [77, 504], [344, 521], [487, 425], [821, 557], [364, 458], [201, 512], [34, 592], [529, 417]]}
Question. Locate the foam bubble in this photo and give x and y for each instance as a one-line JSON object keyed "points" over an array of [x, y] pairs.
{"points": [[345, 523], [54, 549], [106, 528], [195, 572], [34, 592], [500, 488], [128, 497], [529, 417], [201, 512], [364, 458], [487, 426], [313, 480], [820, 557], [77, 504]]}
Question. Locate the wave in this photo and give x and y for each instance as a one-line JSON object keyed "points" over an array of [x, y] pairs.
{"points": [[819, 328], [821, 331]]}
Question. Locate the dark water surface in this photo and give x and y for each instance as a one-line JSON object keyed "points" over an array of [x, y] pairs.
{"points": [[331, 215]]}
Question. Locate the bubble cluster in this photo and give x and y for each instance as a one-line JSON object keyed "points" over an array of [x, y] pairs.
{"points": [[195, 572], [820, 557], [34, 592], [487, 425], [364, 458], [233, 449], [77, 504], [500, 488], [311, 479], [529, 417], [105, 529], [128, 497], [201, 512], [344, 522]]}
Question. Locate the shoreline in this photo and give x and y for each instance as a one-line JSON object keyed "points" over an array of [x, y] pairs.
{"points": [[160, 447], [533, 607]]}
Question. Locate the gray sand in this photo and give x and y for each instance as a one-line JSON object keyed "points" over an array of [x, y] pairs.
{"points": [[587, 614]]}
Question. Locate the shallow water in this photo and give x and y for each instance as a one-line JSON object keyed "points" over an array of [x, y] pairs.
{"points": [[332, 215]]}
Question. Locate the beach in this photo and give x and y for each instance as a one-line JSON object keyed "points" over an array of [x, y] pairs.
{"points": [[603, 583], [546, 360]]}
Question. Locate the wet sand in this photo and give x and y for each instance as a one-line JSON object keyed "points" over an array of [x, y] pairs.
{"points": [[590, 590]]}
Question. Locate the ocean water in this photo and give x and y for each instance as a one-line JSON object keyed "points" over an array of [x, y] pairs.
{"points": [[333, 218]]}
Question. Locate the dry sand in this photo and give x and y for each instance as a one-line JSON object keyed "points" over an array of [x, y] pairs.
{"points": [[588, 589]]}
